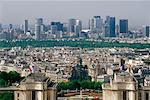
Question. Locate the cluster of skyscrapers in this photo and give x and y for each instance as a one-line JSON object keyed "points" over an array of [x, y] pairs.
{"points": [[75, 26], [98, 27], [109, 28], [96, 24]]}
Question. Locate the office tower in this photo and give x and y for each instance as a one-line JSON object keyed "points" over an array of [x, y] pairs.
{"points": [[78, 27], [54, 29], [72, 23], [75, 26], [98, 21], [25, 26], [39, 21], [38, 28], [123, 26], [10, 26], [110, 26], [96, 24], [58, 25], [1, 27], [147, 31], [21, 26], [107, 26], [65, 27], [4, 35], [91, 24], [37, 31], [117, 30], [11, 34], [7, 35]]}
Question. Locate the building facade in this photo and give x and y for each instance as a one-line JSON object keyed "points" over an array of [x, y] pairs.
{"points": [[110, 26], [25, 26], [75, 26], [124, 86], [123, 25], [34, 87], [147, 31], [38, 28], [96, 24]]}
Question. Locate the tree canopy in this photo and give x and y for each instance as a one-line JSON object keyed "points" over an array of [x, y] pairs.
{"points": [[73, 85], [6, 96], [71, 43], [6, 79]]}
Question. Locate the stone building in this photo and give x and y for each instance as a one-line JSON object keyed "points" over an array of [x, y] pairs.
{"points": [[35, 86], [127, 86]]}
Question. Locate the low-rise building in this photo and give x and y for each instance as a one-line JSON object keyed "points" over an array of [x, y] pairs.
{"points": [[35, 86], [124, 86]]}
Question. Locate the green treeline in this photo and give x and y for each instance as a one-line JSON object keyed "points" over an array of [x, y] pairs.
{"points": [[7, 79], [73, 85], [71, 43], [6, 96]]}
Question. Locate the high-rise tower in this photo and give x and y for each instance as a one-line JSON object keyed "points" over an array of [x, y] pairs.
{"points": [[38, 28], [25, 26]]}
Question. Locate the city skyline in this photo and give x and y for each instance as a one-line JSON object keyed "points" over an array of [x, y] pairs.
{"points": [[64, 10], [74, 49]]}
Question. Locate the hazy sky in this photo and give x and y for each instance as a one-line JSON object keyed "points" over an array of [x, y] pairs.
{"points": [[137, 11]]}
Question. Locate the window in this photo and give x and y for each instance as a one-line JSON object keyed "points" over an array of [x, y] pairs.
{"points": [[18, 96], [147, 96], [140, 96], [124, 95], [33, 95]]}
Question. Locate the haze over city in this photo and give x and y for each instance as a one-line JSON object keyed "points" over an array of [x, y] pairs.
{"points": [[136, 11], [74, 49]]}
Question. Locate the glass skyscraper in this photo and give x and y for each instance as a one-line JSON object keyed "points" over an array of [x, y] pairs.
{"points": [[25, 26], [75, 26], [58, 25], [96, 24], [110, 27], [38, 28], [123, 23], [147, 31]]}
